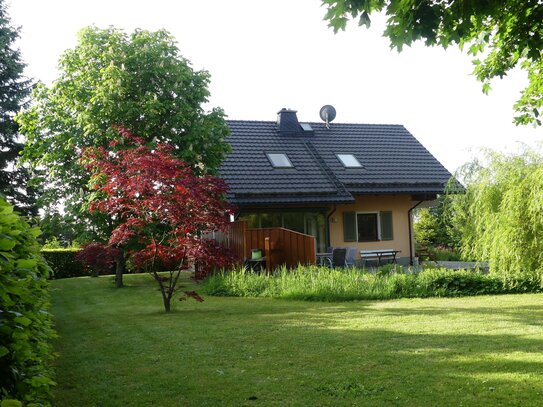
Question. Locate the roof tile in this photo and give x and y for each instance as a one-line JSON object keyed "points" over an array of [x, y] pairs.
{"points": [[393, 162]]}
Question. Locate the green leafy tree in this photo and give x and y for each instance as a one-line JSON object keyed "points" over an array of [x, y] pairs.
{"points": [[426, 228], [14, 90], [433, 226], [500, 217], [139, 81], [60, 228], [504, 33]]}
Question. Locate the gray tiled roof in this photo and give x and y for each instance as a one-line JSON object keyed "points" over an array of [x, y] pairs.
{"points": [[393, 162]]}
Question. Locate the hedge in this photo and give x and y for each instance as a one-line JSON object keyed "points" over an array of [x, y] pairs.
{"points": [[63, 262], [25, 322]]}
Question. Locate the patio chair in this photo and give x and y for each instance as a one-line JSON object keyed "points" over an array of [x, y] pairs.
{"points": [[349, 260], [338, 257]]}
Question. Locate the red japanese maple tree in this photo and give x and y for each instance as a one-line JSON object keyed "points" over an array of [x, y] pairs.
{"points": [[97, 258], [161, 208]]}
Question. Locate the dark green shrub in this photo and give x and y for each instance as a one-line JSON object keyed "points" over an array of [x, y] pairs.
{"points": [[64, 263], [25, 322], [442, 253], [451, 283], [527, 282]]}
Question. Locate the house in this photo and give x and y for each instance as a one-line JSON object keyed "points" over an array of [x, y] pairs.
{"points": [[346, 184]]}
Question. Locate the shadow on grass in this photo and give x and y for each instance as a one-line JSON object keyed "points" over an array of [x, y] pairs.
{"points": [[265, 352], [529, 315], [386, 366]]}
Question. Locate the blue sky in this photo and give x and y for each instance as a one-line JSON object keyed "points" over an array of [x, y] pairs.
{"points": [[265, 55]]}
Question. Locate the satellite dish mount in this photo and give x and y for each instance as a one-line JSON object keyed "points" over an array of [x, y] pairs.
{"points": [[327, 114]]}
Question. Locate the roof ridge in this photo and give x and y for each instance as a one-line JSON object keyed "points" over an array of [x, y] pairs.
{"points": [[317, 123]]}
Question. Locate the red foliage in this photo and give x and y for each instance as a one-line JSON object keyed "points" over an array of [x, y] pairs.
{"points": [[160, 206], [191, 294], [211, 255], [98, 258]]}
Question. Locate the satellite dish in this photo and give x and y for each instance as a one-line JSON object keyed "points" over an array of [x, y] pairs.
{"points": [[327, 114]]}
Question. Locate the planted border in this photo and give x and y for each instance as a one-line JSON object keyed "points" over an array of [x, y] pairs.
{"points": [[323, 284]]}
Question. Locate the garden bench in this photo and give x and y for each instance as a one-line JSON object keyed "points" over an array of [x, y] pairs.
{"points": [[379, 255]]}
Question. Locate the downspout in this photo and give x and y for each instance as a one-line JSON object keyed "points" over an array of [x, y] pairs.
{"points": [[328, 242], [410, 227]]}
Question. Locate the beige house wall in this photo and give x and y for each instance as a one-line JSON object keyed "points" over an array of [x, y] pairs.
{"points": [[398, 204]]}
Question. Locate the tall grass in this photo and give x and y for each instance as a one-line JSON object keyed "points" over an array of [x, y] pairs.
{"points": [[323, 284]]}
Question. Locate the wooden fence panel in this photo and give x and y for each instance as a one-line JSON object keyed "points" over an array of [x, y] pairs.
{"points": [[283, 247], [286, 246], [235, 238]]}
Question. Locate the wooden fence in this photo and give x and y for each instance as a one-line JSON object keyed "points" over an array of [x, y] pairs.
{"points": [[280, 246]]}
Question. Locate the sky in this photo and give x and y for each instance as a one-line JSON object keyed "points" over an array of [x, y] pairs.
{"points": [[268, 54]]}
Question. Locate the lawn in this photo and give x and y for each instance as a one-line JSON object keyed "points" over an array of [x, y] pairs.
{"points": [[118, 348]]}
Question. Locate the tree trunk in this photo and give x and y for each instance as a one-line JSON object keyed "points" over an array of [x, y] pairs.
{"points": [[166, 297], [167, 303], [119, 269]]}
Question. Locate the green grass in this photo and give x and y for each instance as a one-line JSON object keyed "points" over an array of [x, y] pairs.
{"points": [[117, 348], [348, 284]]}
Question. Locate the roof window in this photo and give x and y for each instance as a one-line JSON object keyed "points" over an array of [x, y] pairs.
{"points": [[306, 127], [349, 161], [279, 160]]}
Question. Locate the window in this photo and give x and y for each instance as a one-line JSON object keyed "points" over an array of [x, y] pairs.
{"points": [[279, 160], [349, 161], [306, 127], [271, 220], [367, 226]]}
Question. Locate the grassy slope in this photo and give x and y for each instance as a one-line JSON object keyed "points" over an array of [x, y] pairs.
{"points": [[117, 348]]}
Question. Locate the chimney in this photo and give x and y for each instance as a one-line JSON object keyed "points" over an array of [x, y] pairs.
{"points": [[287, 122]]}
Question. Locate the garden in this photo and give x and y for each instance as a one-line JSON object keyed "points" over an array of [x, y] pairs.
{"points": [[112, 292], [117, 348]]}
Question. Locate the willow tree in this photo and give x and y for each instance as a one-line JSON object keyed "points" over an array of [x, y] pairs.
{"points": [[139, 81], [500, 217]]}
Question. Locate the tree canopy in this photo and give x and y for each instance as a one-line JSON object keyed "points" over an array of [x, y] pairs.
{"points": [[14, 90], [161, 207], [139, 81], [433, 226], [500, 217], [500, 34]]}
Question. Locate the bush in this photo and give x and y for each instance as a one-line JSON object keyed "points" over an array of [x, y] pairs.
{"points": [[64, 263], [442, 253], [323, 284], [438, 253], [54, 243], [211, 256], [97, 258], [25, 323]]}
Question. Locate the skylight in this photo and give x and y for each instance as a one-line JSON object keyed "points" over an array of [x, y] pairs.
{"points": [[349, 161], [279, 160], [306, 127]]}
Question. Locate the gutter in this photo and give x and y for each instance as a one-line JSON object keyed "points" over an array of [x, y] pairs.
{"points": [[328, 242], [410, 227]]}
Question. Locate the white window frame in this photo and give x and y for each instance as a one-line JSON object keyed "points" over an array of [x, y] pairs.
{"points": [[279, 166], [338, 155]]}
